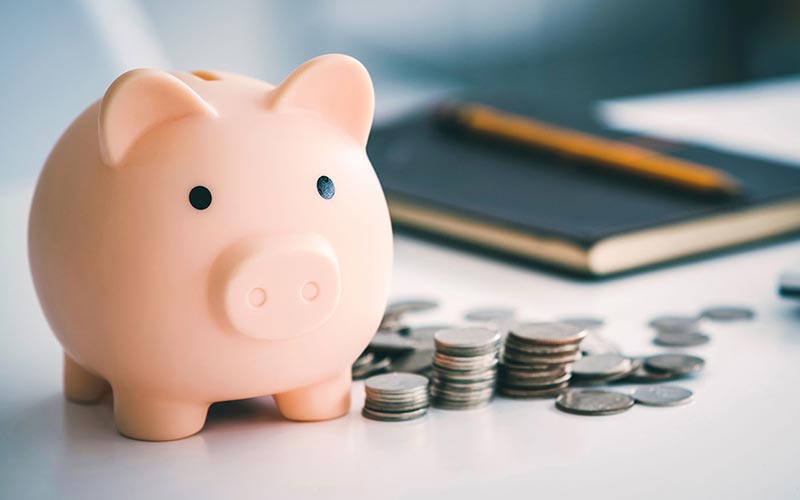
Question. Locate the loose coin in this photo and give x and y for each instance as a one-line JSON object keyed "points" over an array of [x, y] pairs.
{"points": [[662, 395], [547, 333], [676, 364], [641, 375], [418, 361], [601, 365], [593, 402], [681, 339], [524, 393], [728, 313], [389, 342], [400, 307], [490, 314], [674, 323]]}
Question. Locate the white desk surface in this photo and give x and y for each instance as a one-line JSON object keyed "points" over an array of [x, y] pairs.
{"points": [[738, 439]]}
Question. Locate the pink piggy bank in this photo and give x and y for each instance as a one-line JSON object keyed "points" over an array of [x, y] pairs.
{"points": [[200, 237]]}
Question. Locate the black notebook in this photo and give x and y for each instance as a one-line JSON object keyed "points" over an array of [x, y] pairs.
{"points": [[586, 220]]}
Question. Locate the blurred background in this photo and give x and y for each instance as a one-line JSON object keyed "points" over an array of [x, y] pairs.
{"points": [[59, 56]]}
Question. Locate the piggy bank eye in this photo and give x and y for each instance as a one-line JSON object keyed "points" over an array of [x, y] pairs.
{"points": [[325, 187], [200, 197]]}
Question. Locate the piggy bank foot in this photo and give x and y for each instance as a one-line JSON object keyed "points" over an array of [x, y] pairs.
{"points": [[321, 401], [80, 386], [148, 418]]}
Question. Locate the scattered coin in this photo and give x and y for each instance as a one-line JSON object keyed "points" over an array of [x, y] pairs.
{"points": [[490, 314], [593, 402], [583, 322], [370, 365], [393, 324], [662, 395], [388, 342], [681, 339], [728, 313], [675, 323], [675, 364], [641, 375], [601, 365], [401, 307]]}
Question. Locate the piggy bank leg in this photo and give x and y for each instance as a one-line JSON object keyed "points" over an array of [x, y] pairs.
{"points": [[80, 386], [321, 401], [149, 418]]}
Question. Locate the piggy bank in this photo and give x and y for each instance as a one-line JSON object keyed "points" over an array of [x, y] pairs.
{"points": [[201, 237]]}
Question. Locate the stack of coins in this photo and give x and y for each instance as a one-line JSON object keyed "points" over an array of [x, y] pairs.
{"points": [[393, 397], [537, 359], [464, 367]]}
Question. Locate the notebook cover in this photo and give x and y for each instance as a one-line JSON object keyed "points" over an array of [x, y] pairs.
{"points": [[538, 193]]}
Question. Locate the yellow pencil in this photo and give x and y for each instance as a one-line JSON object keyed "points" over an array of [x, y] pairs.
{"points": [[616, 155]]}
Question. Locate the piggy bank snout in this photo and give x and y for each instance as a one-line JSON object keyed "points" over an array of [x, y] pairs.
{"points": [[277, 288]]}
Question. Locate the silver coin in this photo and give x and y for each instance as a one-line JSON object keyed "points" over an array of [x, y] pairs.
{"points": [[601, 365], [662, 395], [418, 361], [467, 341], [401, 307], [547, 333], [393, 417], [464, 376], [641, 375], [393, 324], [523, 393], [674, 323], [681, 339], [462, 385], [511, 364], [593, 402], [398, 405], [728, 313], [490, 314], [364, 360], [479, 363], [544, 359], [462, 395], [415, 401], [533, 374], [538, 349], [396, 383], [520, 382], [583, 322], [389, 342], [460, 405], [677, 364], [376, 366]]}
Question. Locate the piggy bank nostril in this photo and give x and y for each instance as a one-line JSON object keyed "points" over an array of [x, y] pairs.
{"points": [[310, 291], [257, 297]]}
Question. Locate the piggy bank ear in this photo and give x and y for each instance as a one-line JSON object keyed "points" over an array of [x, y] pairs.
{"points": [[335, 86], [138, 101]]}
